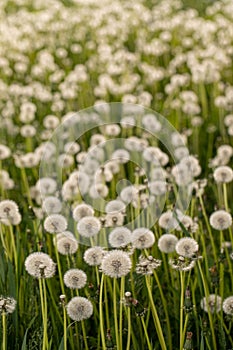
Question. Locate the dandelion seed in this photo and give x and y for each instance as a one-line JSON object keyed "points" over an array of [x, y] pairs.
{"points": [[79, 309], [88, 226], [186, 247], [116, 264], [94, 256], [167, 243], [75, 279], [220, 220], [212, 304], [40, 265], [142, 238], [55, 223]]}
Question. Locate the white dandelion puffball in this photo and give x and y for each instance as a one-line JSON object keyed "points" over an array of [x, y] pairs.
{"points": [[116, 263], [220, 220], [82, 210], [46, 185], [142, 238], [223, 174], [167, 243], [228, 305], [187, 247], [55, 223], [212, 304], [94, 256], [67, 245], [88, 226], [79, 308], [5, 152], [52, 205], [75, 279], [8, 209], [40, 265], [7, 305], [121, 156], [119, 237], [115, 206], [167, 220]]}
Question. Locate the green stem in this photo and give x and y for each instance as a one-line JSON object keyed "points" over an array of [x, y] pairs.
{"points": [[101, 313], [181, 308], [208, 227], [206, 290], [129, 328], [64, 328], [122, 293], [115, 312], [4, 331], [146, 334], [155, 316]]}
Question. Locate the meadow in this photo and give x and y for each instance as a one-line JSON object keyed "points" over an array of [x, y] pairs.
{"points": [[116, 194]]}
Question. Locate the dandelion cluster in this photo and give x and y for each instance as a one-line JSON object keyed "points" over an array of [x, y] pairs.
{"points": [[115, 174]]}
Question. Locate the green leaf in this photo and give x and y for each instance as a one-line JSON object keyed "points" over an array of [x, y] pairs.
{"points": [[24, 345]]}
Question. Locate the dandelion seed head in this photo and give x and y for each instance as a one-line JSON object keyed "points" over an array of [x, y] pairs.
{"points": [[223, 174], [67, 245], [93, 256], [75, 279], [167, 243], [213, 303], [115, 206], [142, 238], [119, 237], [79, 309], [52, 205], [186, 247], [82, 210], [40, 265], [88, 226], [7, 305], [228, 305], [116, 263], [220, 220], [55, 223]]}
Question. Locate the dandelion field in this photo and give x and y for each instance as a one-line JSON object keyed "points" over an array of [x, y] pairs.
{"points": [[116, 124]]}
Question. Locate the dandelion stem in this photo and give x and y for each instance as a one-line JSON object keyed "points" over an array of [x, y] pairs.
{"points": [[115, 312], [44, 312], [101, 313], [208, 226], [155, 315], [64, 328], [122, 293], [146, 334], [206, 290], [4, 331], [129, 328], [181, 308]]}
